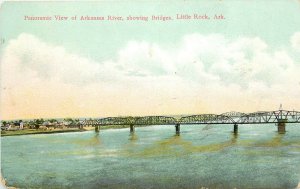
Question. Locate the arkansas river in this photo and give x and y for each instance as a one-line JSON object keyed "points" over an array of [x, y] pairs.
{"points": [[208, 156]]}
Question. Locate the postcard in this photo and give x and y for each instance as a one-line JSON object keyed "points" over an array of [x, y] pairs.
{"points": [[150, 94]]}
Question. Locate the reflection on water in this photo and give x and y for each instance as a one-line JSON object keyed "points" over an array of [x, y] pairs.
{"points": [[207, 127], [276, 141], [90, 141], [177, 146], [234, 138], [133, 136], [201, 156]]}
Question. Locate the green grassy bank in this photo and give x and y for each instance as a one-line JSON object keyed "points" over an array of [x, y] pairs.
{"points": [[49, 131]]}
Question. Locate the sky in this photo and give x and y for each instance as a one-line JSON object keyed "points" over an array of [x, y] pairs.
{"points": [[247, 62]]}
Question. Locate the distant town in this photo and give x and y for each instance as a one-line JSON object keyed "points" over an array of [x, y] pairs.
{"points": [[41, 123]]}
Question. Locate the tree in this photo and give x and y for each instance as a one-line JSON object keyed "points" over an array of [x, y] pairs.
{"points": [[69, 121], [77, 123], [52, 120], [38, 122]]}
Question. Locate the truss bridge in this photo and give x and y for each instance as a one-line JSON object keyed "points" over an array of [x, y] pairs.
{"points": [[279, 117]]}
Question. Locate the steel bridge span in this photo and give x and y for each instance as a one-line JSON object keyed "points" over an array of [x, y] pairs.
{"points": [[279, 117]]}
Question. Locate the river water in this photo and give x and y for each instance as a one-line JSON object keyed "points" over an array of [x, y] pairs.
{"points": [[208, 156]]}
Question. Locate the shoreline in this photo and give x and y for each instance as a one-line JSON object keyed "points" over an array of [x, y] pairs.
{"points": [[35, 132]]}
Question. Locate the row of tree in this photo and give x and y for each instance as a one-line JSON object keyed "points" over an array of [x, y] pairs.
{"points": [[36, 123]]}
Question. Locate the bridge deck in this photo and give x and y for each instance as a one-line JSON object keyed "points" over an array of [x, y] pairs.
{"points": [[226, 118]]}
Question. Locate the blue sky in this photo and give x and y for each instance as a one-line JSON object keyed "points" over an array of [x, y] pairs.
{"points": [[247, 62]]}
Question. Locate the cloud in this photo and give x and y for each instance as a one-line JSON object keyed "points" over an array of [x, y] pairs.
{"points": [[295, 41], [43, 61], [209, 59], [200, 73]]}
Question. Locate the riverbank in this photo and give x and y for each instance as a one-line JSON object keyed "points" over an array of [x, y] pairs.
{"points": [[50, 131], [36, 131]]}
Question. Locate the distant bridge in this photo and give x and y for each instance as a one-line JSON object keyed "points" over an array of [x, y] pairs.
{"points": [[280, 117]]}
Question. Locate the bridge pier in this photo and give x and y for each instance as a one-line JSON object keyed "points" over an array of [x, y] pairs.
{"points": [[97, 128], [235, 128], [281, 125], [177, 128], [132, 128]]}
